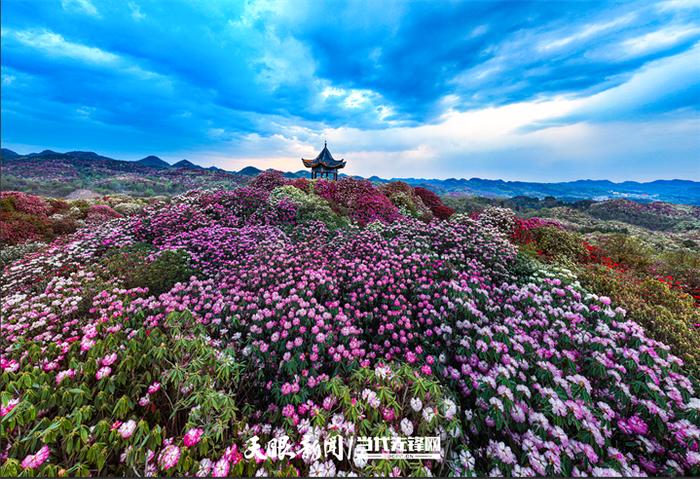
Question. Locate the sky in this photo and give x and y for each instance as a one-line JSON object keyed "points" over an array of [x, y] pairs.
{"points": [[517, 90]]}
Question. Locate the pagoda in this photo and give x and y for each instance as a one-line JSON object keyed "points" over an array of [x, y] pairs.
{"points": [[324, 165]]}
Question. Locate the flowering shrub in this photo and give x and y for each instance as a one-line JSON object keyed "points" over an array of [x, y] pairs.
{"points": [[10, 254], [100, 214], [622, 268], [626, 250], [407, 200], [666, 315], [309, 207], [128, 396], [683, 266], [268, 180], [164, 343], [503, 219], [140, 266], [433, 201], [23, 203], [524, 230], [557, 244], [361, 201], [656, 216], [128, 208], [31, 218], [301, 183], [23, 218]]}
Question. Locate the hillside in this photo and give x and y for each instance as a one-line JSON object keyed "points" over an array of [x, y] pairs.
{"points": [[75, 170], [60, 174], [323, 309]]}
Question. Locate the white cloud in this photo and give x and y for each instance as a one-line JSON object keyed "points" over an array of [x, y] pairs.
{"points": [[55, 45], [678, 5], [357, 99], [136, 13], [330, 91], [655, 83], [8, 79], [586, 32], [85, 111], [478, 31], [660, 39], [216, 133], [360, 100], [82, 6]]}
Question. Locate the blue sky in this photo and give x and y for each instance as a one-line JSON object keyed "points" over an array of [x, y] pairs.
{"points": [[542, 91]]}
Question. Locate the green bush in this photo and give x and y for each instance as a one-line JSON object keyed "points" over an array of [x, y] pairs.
{"points": [[559, 245], [134, 268], [627, 250], [310, 207], [467, 204], [404, 197], [682, 265]]}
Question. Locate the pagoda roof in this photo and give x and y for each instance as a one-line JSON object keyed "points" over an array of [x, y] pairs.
{"points": [[324, 159]]}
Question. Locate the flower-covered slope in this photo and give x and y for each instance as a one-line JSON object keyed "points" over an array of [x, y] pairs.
{"points": [[160, 343]]}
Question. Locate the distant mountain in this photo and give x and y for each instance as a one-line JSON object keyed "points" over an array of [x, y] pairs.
{"points": [[188, 165], [297, 174], [250, 171], [674, 191], [153, 162], [44, 154], [6, 154], [83, 155]]}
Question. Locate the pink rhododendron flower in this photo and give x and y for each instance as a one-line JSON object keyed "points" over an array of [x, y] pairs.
{"points": [[127, 429], [192, 436], [4, 411], [388, 414], [221, 468], [103, 372], [32, 461], [9, 365], [109, 359], [68, 373], [637, 425], [693, 458], [86, 344], [154, 388], [168, 457], [205, 467], [232, 454]]}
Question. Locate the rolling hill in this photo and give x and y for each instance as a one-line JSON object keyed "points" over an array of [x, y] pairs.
{"points": [[53, 173]]}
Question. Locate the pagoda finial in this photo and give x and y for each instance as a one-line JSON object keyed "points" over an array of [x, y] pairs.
{"points": [[325, 143]]}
